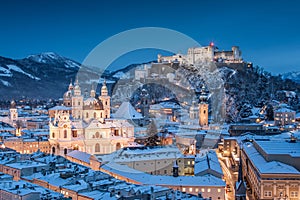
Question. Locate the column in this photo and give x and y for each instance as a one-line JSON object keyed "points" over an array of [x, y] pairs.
{"points": [[287, 189], [274, 189]]}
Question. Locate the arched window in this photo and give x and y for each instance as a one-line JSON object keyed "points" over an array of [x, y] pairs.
{"points": [[65, 151], [53, 150], [97, 147], [87, 115], [65, 133], [106, 103], [118, 146], [97, 135], [53, 135], [74, 133], [95, 115], [101, 115]]}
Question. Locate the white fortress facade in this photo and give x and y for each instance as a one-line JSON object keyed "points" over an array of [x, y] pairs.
{"points": [[208, 53]]}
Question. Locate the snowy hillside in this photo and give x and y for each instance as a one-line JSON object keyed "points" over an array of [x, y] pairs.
{"points": [[44, 75], [294, 76]]}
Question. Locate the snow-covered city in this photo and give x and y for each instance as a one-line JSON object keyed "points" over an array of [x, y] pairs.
{"points": [[199, 122]]}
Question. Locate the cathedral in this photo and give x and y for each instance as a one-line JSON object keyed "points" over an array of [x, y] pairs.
{"points": [[84, 123]]}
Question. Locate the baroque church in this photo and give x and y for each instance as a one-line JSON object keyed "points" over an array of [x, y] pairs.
{"points": [[84, 124]]}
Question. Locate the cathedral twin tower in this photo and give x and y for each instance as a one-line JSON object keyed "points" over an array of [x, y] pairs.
{"points": [[84, 124], [90, 108]]}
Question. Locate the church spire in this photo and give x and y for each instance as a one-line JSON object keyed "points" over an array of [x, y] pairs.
{"points": [[77, 90], [93, 92], [71, 85], [203, 95], [104, 91]]}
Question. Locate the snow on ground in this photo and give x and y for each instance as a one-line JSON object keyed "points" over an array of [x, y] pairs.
{"points": [[6, 83], [18, 69]]}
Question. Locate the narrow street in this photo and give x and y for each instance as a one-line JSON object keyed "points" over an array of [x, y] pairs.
{"points": [[229, 176]]}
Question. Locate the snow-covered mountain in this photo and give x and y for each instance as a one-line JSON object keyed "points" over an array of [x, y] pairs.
{"points": [[294, 76], [44, 75]]}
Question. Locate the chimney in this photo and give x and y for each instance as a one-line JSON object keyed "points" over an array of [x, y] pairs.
{"points": [[175, 169]]}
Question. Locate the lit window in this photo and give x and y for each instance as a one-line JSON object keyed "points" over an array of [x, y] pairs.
{"points": [[191, 189], [294, 194], [196, 190], [189, 162], [268, 193], [183, 189], [219, 190], [202, 190], [208, 190]]}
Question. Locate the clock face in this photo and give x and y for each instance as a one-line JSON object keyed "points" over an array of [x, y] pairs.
{"points": [[65, 126]]}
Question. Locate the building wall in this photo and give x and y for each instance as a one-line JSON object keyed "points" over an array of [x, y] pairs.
{"points": [[6, 195], [28, 147], [269, 186], [284, 118], [163, 166], [16, 173]]}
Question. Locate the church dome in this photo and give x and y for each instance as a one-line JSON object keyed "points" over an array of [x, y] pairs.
{"points": [[13, 104], [203, 95], [68, 95], [104, 91], [93, 103]]}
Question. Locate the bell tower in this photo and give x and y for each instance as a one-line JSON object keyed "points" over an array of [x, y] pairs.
{"points": [[105, 99], [145, 103], [77, 102], [13, 112], [203, 108]]}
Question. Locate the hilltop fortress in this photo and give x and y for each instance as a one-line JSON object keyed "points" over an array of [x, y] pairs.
{"points": [[231, 58]]}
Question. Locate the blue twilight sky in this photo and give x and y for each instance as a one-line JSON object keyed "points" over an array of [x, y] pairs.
{"points": [[266, 31]]}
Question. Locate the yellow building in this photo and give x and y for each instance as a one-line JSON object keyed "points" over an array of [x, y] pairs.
{"points": [[284, 116], [27, 145], [271, 169]]}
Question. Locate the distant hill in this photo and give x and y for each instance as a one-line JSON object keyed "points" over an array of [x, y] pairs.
{"points": [[47, 75], [294, 76], [42, 76]]}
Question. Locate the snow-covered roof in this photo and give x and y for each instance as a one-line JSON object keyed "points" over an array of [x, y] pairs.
{"points": [[148, 153], [280, 147], [126, 111], [147, 179], [265, 167], [284, 110], [60, 108], [209, 161], [97, 195], [78, 124], [26, 164], [79, 155], [80, 185], [5, 127]]}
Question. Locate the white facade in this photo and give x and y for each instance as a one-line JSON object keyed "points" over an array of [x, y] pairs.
{"points": [[208, 53], [87, 125]]}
